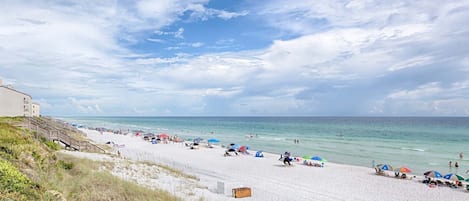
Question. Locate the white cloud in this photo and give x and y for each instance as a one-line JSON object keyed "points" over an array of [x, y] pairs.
{"points": [[156, 40], [386, 58]]}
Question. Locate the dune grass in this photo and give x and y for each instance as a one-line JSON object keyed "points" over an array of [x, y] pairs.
{"points": [[32, 170]]}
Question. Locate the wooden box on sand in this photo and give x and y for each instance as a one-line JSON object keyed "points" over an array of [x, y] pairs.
{"points": [[241, 192]]}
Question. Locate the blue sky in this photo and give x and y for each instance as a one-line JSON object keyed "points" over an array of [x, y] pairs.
{"points": [[238, 58]]}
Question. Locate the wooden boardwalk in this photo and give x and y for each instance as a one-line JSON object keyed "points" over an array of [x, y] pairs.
{"points": [[58, 131]]}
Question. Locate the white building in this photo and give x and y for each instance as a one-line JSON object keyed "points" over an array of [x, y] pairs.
{"points": [[35, 109], [15, 103]]}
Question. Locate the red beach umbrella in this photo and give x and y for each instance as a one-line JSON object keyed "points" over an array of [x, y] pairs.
{"points": [[163, 135], [404, 170], [242, 148]]}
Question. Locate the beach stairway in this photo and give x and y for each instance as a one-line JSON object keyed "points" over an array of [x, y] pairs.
{"points": [[60, 132]]}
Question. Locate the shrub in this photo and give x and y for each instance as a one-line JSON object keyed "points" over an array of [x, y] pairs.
{"points": [[65, 165], [15, 183], [52, 145]]}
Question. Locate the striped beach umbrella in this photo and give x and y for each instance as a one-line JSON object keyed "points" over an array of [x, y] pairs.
{"points": [[433, 173]]}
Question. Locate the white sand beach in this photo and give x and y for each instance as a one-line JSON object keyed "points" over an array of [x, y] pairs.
{"points": [[268, 178]]}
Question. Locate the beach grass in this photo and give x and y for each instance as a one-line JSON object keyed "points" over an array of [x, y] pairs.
{"points": [[177, 172], [31, 169]]}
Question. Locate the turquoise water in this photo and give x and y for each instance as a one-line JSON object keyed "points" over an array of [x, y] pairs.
{"points": [[421, 143]]}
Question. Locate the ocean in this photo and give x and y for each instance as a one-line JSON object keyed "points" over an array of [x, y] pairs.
{"points": [[420, 143]]}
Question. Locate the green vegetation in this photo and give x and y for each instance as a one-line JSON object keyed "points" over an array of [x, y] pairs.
{"points": [[30, 169]]}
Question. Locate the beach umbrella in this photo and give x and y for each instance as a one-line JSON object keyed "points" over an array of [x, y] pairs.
{"points": [[306, 157], [467, 179], [213, 140], [163, 135], [243, 148], [403, 170], [318, 158], [385, 167], [432, 173], [198, 139], [453, 177], [234, 146]]}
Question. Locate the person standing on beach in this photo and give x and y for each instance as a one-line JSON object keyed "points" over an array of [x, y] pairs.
{"points": [[450, 163], [456, 165], [461, 155]]}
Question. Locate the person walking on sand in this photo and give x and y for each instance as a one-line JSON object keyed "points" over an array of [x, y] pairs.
{"points": [[286, 158], [456, 165], [461, 155], [450, 163]]}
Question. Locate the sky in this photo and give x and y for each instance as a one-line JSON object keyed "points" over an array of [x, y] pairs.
{"points": [[238, 57]]}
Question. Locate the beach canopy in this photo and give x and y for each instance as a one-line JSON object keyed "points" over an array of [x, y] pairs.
{"points": [[385, 167], [403, 170], [432, 173], [213, 140], [306, 157], [318, 158], [454, 177]]}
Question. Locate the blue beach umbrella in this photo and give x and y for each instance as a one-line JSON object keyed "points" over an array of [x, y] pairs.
{"points": [[453, 177], [198, 139], [318, 158], [433, 173], [234, 146], [385, 167], [213, 140]]}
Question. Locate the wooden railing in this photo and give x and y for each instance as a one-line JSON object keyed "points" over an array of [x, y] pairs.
{"points": [[45, 128]]}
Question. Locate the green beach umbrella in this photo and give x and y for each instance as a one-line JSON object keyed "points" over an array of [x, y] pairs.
{"points": [[306, 157]]}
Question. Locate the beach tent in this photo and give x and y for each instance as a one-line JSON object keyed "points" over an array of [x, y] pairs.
{"points": [[259, 154]]}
